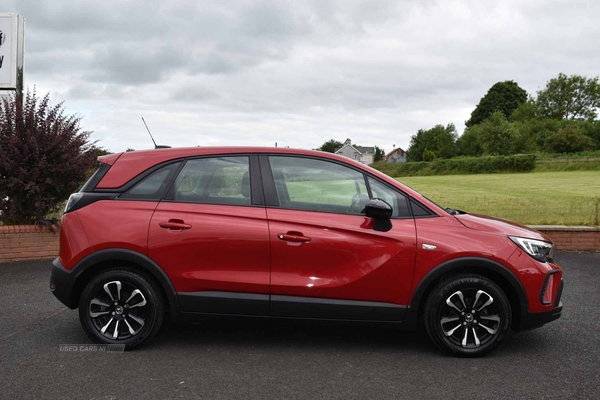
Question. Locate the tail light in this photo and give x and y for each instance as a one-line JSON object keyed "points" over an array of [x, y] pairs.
{"points": [[82, 199], [74, 198]]}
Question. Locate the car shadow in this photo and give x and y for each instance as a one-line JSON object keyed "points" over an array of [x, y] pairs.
{"points": [[282, 333]]}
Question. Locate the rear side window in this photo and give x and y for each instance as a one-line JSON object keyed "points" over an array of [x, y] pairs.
{"points": [[214, 180], [154, 185]]}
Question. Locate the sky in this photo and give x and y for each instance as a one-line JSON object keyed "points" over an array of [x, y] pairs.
{"points": [[296, 73]]}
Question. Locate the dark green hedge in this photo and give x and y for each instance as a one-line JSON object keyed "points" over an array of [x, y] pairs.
{"points": [[460, 165]]}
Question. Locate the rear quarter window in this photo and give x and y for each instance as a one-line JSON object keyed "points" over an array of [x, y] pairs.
{"points": [[153, 186]]}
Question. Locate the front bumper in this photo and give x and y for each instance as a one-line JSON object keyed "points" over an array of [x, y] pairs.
{"points": [[62, 283], [531, 320]]}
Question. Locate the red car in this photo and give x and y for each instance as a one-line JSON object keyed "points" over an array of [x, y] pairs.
{"points": [[282, 233]]}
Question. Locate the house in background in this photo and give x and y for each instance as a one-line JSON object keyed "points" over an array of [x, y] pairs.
{"points": [[361, 154], [395, 156]]}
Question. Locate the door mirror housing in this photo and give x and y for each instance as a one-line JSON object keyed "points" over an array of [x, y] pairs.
{"points": [[378, 209], [381, 212]]}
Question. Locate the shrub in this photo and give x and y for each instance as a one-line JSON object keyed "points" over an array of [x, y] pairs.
{"points": [[460, 165], [428, 155], [568, 140], [44, 156]]}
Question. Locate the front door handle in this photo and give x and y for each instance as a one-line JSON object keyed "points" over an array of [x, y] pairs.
{"points": [[174, 225], [293, 236]]}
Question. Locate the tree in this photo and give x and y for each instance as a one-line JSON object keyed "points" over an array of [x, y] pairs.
{"points": [[592, 130], [497, 135], [536, 131], [525, 112], [569, 97], [429, 155], [44, 157], [330, 146], [568, 140], [440, 140], [505, 97], [469, 144], [379, 154]]}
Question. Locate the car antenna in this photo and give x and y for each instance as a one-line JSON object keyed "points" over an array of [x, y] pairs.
{"points": [[156, 146]]}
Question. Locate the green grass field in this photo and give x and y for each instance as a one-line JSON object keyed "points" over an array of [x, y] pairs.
{"points": [[563, 198]]}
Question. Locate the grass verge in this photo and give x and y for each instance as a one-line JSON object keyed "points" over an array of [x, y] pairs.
{"points": [[561, 198]]}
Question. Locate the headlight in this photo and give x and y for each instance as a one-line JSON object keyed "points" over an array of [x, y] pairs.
{"points": [[538, 249]]}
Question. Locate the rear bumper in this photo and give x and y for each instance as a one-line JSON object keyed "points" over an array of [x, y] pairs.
{"points": [[62, 282], [531, 320]]}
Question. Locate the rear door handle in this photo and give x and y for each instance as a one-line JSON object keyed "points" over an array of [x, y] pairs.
{"points": [[174, 225], [293, 236]]}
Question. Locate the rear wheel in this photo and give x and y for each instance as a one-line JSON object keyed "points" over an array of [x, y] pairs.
{"points": [[467, 315], [121, 307]]}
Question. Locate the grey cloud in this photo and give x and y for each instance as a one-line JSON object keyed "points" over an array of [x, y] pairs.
{"points": [[130, 64], [272, 21], [256, 72], [193, 92], [82, 18]]}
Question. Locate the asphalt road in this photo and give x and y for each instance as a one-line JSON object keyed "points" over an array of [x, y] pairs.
{"points": [[277, 360]]}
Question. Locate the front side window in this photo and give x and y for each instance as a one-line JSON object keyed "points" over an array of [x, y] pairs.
{"points": [[316, 185], [215, 180], [392, 197]]}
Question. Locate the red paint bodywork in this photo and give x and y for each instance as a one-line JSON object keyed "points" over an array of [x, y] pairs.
{"points": [[345, 258], [238, 249], [226, 248]]}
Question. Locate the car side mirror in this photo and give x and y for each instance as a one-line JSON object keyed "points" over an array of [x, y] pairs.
{"points": [[381, 212], [378, 209]]}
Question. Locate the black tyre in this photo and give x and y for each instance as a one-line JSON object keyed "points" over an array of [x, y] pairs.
{"points": [[121, 306], [467, 315]]}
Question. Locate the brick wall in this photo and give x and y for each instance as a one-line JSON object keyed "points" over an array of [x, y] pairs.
{"points": [[572, 238], [27, 242]]}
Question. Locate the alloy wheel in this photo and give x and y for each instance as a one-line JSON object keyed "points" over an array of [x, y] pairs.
{"points": [[467, 315], [470, 318], [118, 310]]}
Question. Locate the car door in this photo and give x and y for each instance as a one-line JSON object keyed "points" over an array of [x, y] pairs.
{"points": [[326, 259], [210, 235]]}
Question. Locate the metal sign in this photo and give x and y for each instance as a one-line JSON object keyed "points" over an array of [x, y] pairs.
{"points": [[11, 49]]}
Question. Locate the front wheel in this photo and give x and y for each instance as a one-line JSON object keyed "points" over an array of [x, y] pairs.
{"points": [[121, 307], [467, 315]]}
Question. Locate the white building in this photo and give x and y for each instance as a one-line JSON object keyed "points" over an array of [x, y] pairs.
{"points": [[361, 154]]}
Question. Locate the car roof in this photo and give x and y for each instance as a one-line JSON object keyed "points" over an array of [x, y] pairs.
{"points": [[156, 156], [129, 164]]}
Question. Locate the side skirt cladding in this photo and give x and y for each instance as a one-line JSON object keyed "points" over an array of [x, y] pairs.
{"points": [[277, 306]]}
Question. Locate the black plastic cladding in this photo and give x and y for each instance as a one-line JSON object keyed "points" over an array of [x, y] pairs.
{"points": [[90, 185], [545, 286]]}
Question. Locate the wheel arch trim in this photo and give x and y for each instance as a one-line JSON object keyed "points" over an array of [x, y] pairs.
{"points": [[455, 265], [80, 270]]}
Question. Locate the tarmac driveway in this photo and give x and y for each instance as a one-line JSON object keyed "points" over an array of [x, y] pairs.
{"points": [[292, 359]]}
